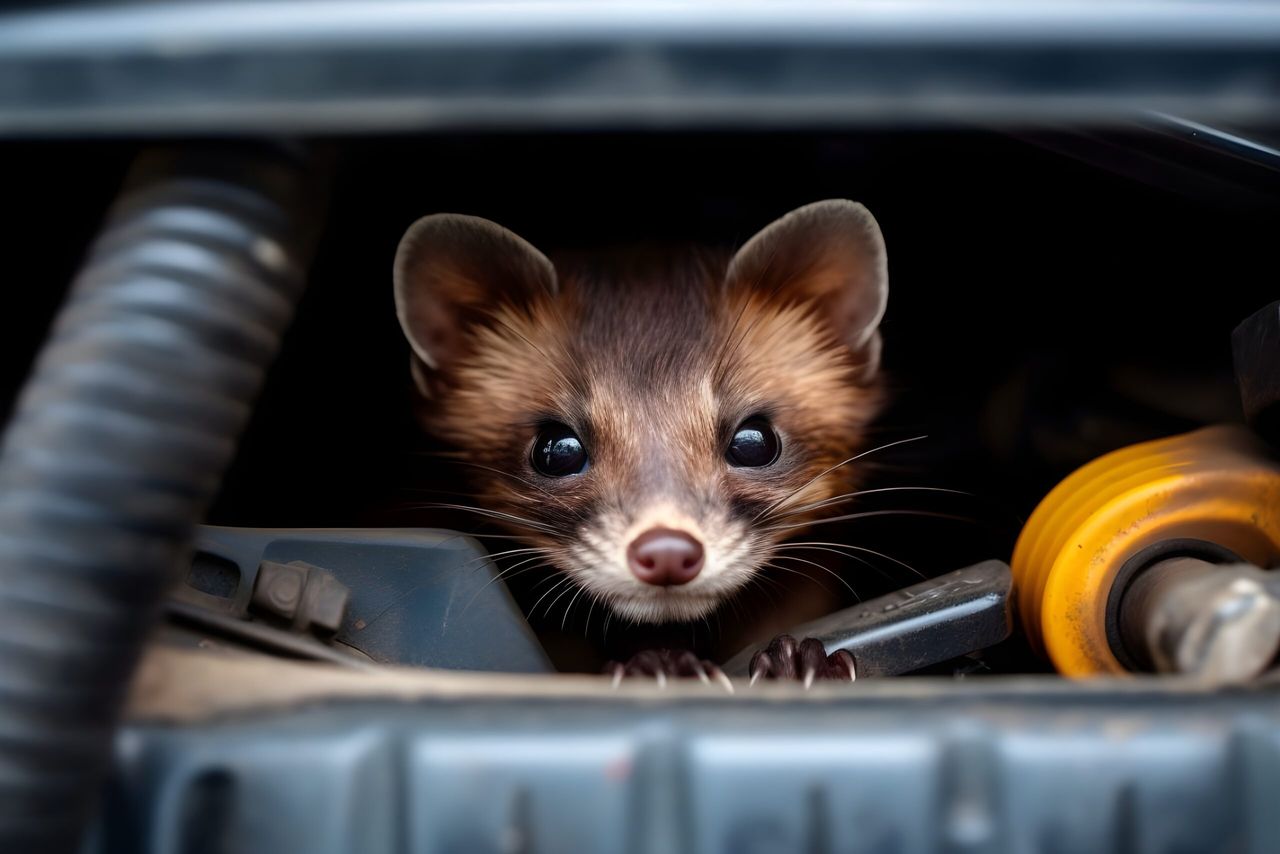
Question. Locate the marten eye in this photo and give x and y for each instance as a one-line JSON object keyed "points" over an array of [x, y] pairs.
{"points": [[558, 452], [755, 444]]}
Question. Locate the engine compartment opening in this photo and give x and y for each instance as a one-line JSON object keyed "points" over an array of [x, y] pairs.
{"points": [[1056, 295]]}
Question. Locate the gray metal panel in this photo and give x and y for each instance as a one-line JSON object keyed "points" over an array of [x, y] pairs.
{"points": [[233, 67], [1014, 767], [419, 596]]}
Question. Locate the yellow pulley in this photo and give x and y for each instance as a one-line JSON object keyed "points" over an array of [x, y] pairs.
{"points": [[1213, 493]]}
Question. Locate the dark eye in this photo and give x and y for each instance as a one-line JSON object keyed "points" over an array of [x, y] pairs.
{"points": [[558, 452], [754, 444]]}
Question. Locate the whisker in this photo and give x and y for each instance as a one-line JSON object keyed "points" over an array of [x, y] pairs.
{"points": [[552, 603], [869, 513], [512, 537], [543, 565], [504, 573], [892, 559], [774, 506], [732, 602], [827, 570], [569, 608], [775, 582], [793, 571], [507, 573], [760, 581], [836, 546], [497, 514], [552, 576], [496, 556], [868, 564], [550, 590], [848, 496], [807, 547], [517, 477]]}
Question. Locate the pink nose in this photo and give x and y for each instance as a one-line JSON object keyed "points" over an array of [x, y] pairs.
{"points": [[665, 557]]}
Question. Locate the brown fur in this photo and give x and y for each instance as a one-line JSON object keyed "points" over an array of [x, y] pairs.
{"points": [[654, 364]]}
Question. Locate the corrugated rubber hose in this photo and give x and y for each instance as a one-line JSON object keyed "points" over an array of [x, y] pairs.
{"points": [[116, 446]]}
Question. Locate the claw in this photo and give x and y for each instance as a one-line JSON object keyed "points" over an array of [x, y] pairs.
{"points": [[850, 663], [722, 679], [666, 664], [805, 661]]}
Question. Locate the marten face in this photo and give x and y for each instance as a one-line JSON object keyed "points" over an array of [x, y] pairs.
{"points": [[656, 427]]}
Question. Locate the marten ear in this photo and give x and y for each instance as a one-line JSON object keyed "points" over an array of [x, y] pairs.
{"points": [[451, 271], [831, 253]]}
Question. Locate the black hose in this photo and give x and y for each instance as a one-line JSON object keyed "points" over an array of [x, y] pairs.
{"points": [[116, 446]]}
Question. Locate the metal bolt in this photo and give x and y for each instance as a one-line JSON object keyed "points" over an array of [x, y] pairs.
{"points": [[278, 588], [307, 596], [1189, 616]]}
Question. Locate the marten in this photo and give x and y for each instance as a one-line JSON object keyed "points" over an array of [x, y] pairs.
{"points": [[656, 428]]}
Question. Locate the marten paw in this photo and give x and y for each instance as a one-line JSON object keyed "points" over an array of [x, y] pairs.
{"points": [[664, 664], [803, 661]]}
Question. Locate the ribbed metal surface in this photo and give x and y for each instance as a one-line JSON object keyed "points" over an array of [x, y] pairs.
{"points": [[116, 445], [1023, 767]]}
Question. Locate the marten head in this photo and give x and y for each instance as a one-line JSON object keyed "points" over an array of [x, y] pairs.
{"points": [[655, 427]]}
